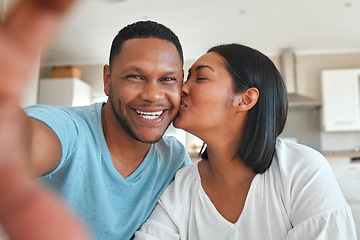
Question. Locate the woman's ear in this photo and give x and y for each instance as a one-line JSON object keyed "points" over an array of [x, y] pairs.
{"points": [[246, 100], [107, 79]]}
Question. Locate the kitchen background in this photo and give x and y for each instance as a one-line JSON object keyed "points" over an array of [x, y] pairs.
{"points": [[304, 124], [302, 38], [305, 39]]}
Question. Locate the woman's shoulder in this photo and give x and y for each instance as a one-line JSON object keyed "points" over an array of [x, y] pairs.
{"points": [[296, 167], [300, 169], [294, 157], [308, 185], [180, 189], [183, 181], [187, 174]]}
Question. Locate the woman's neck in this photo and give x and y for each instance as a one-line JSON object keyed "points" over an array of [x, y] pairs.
{"points": [[224, 165], [226, 181]]}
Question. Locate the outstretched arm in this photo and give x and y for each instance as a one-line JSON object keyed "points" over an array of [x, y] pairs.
{"points": [[27, 209]]}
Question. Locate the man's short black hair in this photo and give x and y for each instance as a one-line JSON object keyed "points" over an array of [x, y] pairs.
{"points": [[144, 29]]}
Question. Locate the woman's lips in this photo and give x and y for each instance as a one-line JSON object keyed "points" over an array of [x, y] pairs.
{"points": [[183, 104]]}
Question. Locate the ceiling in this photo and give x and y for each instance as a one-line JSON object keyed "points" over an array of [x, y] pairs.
{"points": [[306, 26]]}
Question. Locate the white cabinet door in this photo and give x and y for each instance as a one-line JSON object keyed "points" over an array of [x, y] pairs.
{"points": [[340, 95], [64, 92]]}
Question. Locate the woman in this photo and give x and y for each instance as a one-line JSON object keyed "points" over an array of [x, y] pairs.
{"points": [[249, 184]]}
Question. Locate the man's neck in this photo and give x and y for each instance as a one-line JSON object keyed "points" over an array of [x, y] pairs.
{"points": [[126, 152]]}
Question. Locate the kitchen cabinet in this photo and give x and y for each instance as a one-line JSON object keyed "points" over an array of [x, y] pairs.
{"points": [[64, 92], [341, 101]]}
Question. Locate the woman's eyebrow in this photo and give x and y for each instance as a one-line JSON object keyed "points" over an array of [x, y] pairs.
{"points": [[203, 66], [200, 67]]}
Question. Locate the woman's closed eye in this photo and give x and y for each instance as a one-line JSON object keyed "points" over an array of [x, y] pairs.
{"points": [[200, 78]]}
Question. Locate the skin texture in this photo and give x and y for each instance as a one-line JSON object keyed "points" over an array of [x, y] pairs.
{"points": [[146, 76], [207, 95], [213, 112], [27, 209]]}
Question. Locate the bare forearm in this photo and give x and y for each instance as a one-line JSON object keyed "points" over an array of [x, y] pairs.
{"points": [[27, 209], [26, 31], [32, 212]]}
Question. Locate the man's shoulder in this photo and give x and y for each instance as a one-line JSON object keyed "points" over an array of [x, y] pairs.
{"points": [[171, 149], [169, 143], [46, 112]]}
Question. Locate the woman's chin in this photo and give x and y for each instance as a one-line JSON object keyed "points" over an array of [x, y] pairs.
{"points": [[177, 122], [179, 126], [182, 123]]}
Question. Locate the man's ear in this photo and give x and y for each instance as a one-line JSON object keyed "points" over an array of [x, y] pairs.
{"points": [[106, 79], [246, 100]]}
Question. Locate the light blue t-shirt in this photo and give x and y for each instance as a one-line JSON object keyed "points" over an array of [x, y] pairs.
{"points": [[113, 207]]}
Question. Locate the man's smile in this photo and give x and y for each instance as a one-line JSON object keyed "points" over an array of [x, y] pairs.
{"points": [[149, 115]]}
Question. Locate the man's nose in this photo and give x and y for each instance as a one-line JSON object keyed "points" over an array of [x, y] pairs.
{"points": [[153, 92]]}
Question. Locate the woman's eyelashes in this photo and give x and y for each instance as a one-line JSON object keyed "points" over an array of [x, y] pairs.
{"points": [[197, 77]]}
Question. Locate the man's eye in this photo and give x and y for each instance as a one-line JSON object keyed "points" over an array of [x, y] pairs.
{"points": [[169, 79], [134, 77], [200, 78]]}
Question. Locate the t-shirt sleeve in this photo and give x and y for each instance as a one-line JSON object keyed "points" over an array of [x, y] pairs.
{"points": [[176, 150], [317, 207], [62, 122], [336, 223]]}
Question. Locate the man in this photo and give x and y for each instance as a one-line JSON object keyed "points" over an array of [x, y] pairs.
{"points": [[27, 210], [110, 161]]}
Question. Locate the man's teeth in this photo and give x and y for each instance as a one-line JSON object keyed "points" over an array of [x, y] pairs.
{"points": [[149, 115]]}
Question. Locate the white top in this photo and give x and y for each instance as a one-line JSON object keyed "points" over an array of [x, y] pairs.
{"points": [[296, 198]]}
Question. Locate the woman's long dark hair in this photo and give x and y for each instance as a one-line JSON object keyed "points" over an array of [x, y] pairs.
{"points": [[250, 68]]}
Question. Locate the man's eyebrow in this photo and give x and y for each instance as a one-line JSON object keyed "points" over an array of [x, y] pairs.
{"points": [[139, 70], [174, 72], [203, 66], [131, 68]]}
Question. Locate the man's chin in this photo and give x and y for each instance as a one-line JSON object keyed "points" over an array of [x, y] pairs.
{"points": [[152, 137], [149, 140]]}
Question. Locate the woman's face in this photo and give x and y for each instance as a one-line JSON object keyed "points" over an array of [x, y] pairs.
{"points": [[206, 103]]}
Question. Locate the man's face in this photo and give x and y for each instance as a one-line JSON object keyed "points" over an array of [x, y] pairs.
{"points": [[144, 87]]}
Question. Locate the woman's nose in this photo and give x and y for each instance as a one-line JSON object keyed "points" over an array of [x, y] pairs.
{"points": [[185, 90], [183, 94]]}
